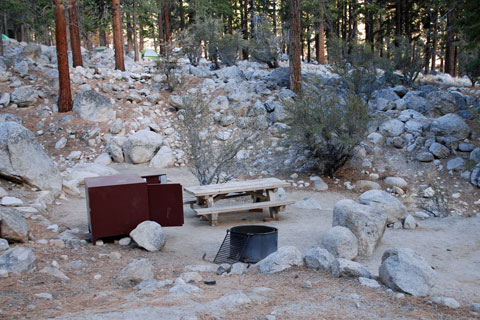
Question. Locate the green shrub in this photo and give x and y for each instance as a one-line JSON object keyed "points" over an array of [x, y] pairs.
{"points": [[207, 30], [228, 48], [264, 45], [167, 62], [407, 58], [328, 125], [359, 69], [470, 65]]}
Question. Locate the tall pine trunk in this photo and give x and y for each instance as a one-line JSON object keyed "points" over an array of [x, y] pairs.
{"points": [[294, 48], [161, 32], [117, 36], [450, 46], [320, 40], [2, 30], [181, 11], [64, 94], [166, 19], [75, 34], [135, 40], [245, 27]]}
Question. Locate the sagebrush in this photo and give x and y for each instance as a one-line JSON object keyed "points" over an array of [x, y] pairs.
{"points": [[214, 151], [327, 124]]}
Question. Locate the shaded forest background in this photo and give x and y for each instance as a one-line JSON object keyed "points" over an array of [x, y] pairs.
{"points": [[441, 35]]}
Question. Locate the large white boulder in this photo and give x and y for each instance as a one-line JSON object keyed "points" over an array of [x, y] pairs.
{"points": [[149, 235], [141, 146], [367, 223], [395, 210], [17, 260], [163, 159], [13, 226], [92, 106], [23, 159], [283, 258], [404, 270], [340, 242]]}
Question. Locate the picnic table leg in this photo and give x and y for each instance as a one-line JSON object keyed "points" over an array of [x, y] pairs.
{"points": [[272, 196], [214, 219]]}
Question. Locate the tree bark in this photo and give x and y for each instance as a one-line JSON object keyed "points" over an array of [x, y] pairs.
{"points": [[117, 36], [2, 30], [135, 42], [166, 19], [129, 33], [181, 11], [320, 40], [294, 48], [245, 28], [450, 47], [75, 34], [434, 39], [65, 94], [161, 32]]}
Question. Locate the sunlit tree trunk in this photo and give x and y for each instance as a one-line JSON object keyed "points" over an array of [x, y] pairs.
{"points": [[75, 34], [117, 36], [294, 48], [65, 94]]}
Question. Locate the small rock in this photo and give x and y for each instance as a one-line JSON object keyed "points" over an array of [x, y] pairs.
{"points": [[202, 268], [475, 307], [318, 183], [428, 193], [125, 241], [61, 143], [135, 272], [4, 244], [97, 277], [367, 282], [44, 295], [447, 302], [11, 202], [396, 182], [347, 268], [182, 288], [224, 268], [238, 268], [409, 223], [425, 157], [190, 277], [307, 203], [307, 284], [54, 272], [115, 255], [319, 259]]}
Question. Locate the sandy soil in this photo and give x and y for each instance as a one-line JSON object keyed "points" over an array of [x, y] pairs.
{"points": [[450, 245]]}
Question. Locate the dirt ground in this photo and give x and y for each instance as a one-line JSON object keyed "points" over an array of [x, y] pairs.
{"points": [[450, 245]]}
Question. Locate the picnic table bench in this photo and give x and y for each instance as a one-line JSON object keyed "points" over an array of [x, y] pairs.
{"points": [[263, 192]]}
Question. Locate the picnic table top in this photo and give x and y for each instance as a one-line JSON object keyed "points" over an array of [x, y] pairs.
{"points": [[237, 186]]}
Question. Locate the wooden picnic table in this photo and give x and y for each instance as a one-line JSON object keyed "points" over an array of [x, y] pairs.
{"points": [[263, 192]]}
